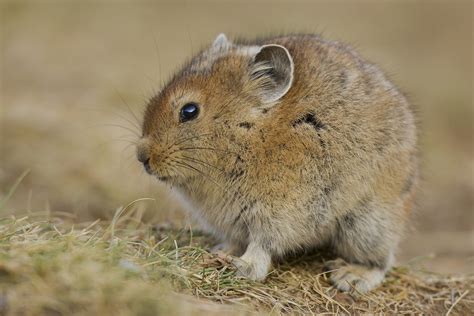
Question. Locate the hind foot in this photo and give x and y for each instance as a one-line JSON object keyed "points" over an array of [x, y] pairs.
{"points": [[354, 278]]}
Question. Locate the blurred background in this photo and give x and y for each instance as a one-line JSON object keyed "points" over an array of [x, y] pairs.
{"points": [[75, 76]]}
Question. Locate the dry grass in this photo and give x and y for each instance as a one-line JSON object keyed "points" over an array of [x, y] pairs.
{"points": [[49, 266]]}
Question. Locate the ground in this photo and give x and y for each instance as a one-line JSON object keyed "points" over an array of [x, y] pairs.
{"points": [[126, 267]]}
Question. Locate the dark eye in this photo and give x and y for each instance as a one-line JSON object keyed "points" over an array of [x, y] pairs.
{"points": [[188, 112]]}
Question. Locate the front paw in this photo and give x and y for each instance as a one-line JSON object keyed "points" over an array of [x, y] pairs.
{"points": [[249, 270], [244, 269], [254, 264]]}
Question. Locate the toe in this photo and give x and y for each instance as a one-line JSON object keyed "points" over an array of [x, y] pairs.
{"points": [[345, 281], [362, 286], [243, 268], [334, 264], [356, 278]]}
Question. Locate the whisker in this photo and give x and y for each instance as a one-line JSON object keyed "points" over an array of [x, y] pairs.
{"points": [[115, 113], [157, 50], [214, 181], [208, 148], [186, 165], [129, 108], [189, 138], [123, 127], [127, 120], [202, 163], [127, 147], [104, 143], [233, 196]]}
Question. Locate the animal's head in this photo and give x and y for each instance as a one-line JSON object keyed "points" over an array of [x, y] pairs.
{"points": [[219, 95]]}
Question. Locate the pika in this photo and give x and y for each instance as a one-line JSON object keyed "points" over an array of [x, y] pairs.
{"points": [[288, 143]]}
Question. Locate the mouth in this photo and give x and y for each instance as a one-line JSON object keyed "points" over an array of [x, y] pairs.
{"points": [[148, 168], [152, 173]]}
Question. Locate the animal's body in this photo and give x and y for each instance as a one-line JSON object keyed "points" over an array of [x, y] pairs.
{"points": [[285, 144]]}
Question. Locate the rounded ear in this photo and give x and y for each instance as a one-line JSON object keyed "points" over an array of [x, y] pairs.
{"points": [[221, 43], [272, 70]]}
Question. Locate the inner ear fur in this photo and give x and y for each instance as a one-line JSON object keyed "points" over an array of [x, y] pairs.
{"points": [[272, 70]]}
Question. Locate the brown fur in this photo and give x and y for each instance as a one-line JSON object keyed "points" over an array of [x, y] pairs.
{"points": [[331, 162]]}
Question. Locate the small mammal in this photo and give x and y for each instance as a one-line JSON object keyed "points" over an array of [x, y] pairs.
{"points": [[284, 144]]}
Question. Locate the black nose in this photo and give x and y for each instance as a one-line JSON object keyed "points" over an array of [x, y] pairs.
{"points": [[146, 164], [144, 158]]}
